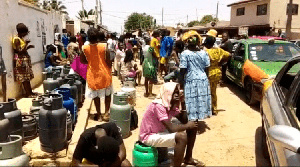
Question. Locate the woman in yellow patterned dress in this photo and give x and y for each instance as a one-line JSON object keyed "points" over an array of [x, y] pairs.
{"points": [[22, 62], [217, 57]]}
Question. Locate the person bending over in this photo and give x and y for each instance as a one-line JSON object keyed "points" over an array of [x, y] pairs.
{"points": [[101, 145]]}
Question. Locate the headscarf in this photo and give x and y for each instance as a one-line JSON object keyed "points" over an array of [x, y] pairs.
{"points": [[165, 94], [189, 36]]}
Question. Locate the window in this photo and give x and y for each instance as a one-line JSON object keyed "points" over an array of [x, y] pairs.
{"points": [[294, 9], [262, 9], [240, 11], [289, 75]]}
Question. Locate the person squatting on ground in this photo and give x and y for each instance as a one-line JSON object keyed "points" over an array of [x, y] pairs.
{"points": [[149, 71], [157, 130], [130, 70], [22, 61], [101, 145], [72, 49], [99, 79], [217, 57]]}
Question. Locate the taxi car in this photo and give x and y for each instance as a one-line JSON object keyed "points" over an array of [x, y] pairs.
{"points": [[255, 60]]}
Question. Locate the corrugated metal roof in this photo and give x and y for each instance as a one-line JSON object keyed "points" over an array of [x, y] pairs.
{"points": [[241, 2]]}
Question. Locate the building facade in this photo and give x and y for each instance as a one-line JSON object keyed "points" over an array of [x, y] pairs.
{"points": [[260, 16]]}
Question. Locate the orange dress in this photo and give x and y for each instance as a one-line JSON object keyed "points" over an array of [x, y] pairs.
{"points": [[98, 73]]}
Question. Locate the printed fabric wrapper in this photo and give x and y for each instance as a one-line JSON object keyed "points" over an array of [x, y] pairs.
{"points": [[254, 71], [79, 68]]}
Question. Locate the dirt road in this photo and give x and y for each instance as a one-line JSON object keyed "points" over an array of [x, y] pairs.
{"points": [[232, 138]]}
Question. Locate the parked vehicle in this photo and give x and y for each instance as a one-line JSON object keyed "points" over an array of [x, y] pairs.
{"points": [[280, 110], [254, 60], [296, 42]]}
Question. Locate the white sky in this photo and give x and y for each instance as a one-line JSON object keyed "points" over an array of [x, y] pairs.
{"points": [[115, 12]]}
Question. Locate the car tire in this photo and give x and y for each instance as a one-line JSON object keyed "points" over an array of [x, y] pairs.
{"points": [[264, 146], [249, 92]]}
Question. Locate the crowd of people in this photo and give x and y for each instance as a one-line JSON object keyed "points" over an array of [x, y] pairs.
{"points": [[190, 69]]}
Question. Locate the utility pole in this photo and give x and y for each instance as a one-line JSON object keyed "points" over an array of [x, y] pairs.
{"points": [[82, 5], [217, 11], [97, 12], [197, 14], [289, 20], [100, 12], [162, 17], [187, 19]]}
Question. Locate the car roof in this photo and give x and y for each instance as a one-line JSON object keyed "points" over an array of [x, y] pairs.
{"points": [[255, 41]]}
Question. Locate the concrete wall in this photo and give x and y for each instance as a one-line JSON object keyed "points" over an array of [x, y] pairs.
{"points": [[13, 12], [278, 15], [250, 17]]}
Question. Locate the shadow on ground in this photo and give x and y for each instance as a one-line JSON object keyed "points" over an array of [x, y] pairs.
{"points": [[239, 92], [260, 160]]}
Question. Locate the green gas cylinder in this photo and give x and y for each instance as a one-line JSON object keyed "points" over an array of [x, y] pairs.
{"points": [[143, 155], [120, 113]]}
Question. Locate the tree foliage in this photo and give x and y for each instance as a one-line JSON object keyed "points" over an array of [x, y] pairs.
{"points": [[84, 14], [207, 19], [194, 23], [138, 20], [54, 5]]}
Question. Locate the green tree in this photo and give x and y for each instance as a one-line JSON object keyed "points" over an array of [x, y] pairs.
{"points": [[57, 5], [193, 23], [207, 19], [138, 20], [85, 14]]}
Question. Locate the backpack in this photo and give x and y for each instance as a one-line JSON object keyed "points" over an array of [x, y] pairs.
{"points": [[134, 120]]}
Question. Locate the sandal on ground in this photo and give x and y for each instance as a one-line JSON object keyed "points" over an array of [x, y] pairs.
{"points": [[31, 96], [106, 117], [146, 94], [96, 117], [195, 162]]}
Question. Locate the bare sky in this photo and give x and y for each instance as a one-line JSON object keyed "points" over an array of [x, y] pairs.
{"points": [[115, 12]]}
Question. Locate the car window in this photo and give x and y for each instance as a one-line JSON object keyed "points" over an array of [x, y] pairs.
{"points": [[288, 77], [276, 52]]}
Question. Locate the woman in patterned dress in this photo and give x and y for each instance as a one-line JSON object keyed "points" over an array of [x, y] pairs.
{"points": [[22, 61], [193, 65]]}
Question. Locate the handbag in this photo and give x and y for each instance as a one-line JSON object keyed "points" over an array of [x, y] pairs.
{"points": [[78, 67]]}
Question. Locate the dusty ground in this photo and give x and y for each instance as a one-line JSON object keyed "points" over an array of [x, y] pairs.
{"points": [[232, 138]]}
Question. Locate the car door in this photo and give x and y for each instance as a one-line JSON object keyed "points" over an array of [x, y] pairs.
{"points": [[278, 109], [236, 64]]}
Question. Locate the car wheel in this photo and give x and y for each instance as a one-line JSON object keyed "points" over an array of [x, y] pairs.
{"points": [[264, 146], [249, 92]]}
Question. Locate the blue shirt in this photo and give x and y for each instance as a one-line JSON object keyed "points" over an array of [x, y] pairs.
{"points": [[47, 59], [166, 46], [195, 62]]}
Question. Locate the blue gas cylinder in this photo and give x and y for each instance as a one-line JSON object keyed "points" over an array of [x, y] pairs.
{"points": [[69, 103]]}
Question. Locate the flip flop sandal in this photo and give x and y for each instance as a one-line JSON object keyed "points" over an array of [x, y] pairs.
{"points": [[195, 162], [146, 94], [106, 118]]}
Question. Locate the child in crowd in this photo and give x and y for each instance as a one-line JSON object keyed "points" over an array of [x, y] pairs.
{"points": [[128, 69], [120, 55]]}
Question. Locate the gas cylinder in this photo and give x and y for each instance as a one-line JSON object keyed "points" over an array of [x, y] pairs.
{"points": [[11, 152], [130, 82], [52, 123], [66, 69], [79, 85], [59, 78], [120, 113], [4, 126], [143, 155], [50, 84], [35, 108], [73, 89], [57, 70], [68, 102], [14, 116], [29, 127], [131, 91], [69, 126]]}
